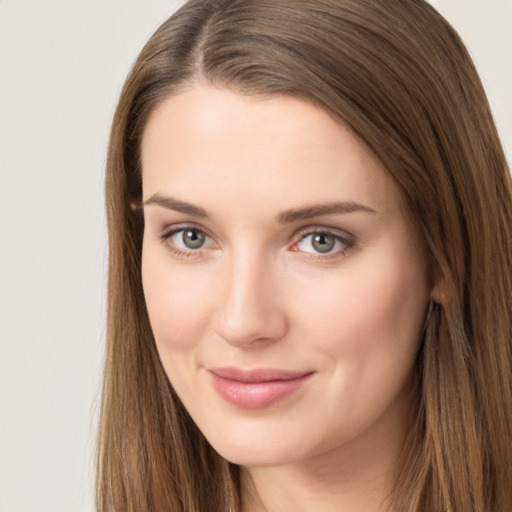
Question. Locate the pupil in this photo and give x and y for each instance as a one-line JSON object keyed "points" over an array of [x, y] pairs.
{"points": [[323, 242], [193, 239]]}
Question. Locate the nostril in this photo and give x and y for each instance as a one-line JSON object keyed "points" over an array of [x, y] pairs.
{"points": [[250, 326], [249, 309]]}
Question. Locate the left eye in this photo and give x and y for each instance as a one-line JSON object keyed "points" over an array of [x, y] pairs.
{"points": [[321, 243]]}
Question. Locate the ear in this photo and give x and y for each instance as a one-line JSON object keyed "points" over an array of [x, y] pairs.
{"points": [[134, 206], [438, 293]]}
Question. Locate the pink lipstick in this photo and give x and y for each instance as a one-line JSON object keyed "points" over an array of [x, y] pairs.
{"points": [[258, 388]]}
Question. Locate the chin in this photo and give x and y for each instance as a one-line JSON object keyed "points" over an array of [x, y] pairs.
{"points": [[254, 456], [257, 450]]}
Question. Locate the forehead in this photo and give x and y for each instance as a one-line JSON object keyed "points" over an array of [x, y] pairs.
{"points": [[206, 142]]}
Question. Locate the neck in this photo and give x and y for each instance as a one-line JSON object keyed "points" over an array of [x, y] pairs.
{"points": [[298, 489]]}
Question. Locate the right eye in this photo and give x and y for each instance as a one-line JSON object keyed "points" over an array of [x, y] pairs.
{"points": [[187, 240]]}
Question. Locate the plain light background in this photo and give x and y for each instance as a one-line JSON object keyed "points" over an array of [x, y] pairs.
{"points": [[62, 64]]}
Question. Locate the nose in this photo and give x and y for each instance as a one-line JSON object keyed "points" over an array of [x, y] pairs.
{"points": [[250, 311]]}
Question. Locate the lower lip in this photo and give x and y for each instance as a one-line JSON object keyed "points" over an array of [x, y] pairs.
{"points": [[256, 395]]}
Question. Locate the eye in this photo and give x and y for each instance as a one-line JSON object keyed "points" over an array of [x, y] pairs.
{"points": [[190, 238], [322, 242], [186, 240]]}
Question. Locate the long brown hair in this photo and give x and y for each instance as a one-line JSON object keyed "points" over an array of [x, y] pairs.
{"points": [[399, 76]]}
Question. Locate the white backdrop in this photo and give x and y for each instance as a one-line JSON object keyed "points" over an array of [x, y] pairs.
{"points": [[62, 64]]}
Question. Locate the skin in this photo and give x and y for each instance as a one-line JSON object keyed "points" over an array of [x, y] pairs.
{"points": [[258, 294]]}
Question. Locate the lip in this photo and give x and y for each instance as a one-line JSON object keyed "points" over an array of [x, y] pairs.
{"points": [[256, 388]]}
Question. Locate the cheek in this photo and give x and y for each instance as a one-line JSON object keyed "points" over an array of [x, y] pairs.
{"points": [[368, 322], [177, 300], [368, 313]]}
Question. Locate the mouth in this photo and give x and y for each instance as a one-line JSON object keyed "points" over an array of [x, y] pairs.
{"points": [[256, 388]]}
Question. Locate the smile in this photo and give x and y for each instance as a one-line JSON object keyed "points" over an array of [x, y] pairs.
{"points": [[258, 388]]}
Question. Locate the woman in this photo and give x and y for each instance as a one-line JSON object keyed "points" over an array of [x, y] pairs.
{"points": [[310, 222]]}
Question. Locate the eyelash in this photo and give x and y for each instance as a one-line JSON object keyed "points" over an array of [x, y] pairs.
{"points": [[167, 234], [348, 242]]}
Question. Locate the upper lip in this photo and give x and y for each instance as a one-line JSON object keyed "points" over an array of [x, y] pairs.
{"points": [[257, 374]]}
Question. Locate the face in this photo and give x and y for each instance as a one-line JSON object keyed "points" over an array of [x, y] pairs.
{"points": [[284, 290]]}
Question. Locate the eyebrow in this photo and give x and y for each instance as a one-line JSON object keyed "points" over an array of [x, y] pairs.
{"points": [[178, 206], [285, 217], [317, 210]]}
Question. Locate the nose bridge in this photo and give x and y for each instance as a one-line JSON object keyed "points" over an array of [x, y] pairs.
{"points": [[249, 308]]}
